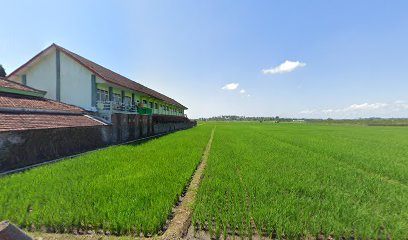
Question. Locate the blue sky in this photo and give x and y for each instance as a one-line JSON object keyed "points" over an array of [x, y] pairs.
{"points": [[348, 58]]}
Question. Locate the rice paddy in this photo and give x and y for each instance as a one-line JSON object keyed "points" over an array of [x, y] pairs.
{"points": [[266, 179], [300, 180], [122, 190]]}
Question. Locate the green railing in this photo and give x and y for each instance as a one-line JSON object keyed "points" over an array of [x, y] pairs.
{"points": [[144, 111]]}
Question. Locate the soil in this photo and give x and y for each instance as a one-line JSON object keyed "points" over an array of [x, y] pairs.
{"points": [[181, 222]]}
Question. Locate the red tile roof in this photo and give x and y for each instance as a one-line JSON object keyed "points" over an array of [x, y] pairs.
{"points": [[107, 75], [21, 112], [4, 83], [8, 100], [23, 121]]}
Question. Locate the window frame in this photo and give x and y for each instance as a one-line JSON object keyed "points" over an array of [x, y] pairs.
{"points": [[102, 95]]}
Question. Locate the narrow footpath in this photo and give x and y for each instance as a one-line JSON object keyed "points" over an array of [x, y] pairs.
{"points": [[181, 221]]}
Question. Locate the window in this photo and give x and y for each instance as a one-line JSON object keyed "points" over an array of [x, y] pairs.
{"points": [[150, 104], [145, 102], [117, 98], [102, 95], [156, 106]]}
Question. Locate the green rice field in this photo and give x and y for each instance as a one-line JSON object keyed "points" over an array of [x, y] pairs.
{"points": [[123, 189], [296, 180]]}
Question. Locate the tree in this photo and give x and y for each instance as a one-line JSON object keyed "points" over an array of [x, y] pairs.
{"points": [[2, 71]]}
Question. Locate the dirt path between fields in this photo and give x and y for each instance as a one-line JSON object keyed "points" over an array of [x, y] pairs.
{"points": [[181, 222]]}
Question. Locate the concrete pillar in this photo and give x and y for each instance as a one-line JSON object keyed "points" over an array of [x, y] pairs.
{"points": [[93, 85], [110, 94], [24, 79], [58, 75]]}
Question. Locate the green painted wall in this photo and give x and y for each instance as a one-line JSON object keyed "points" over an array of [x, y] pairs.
{"points": [[102, 86], [117, 91]]}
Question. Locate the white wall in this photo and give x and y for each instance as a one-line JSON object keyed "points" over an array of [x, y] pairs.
{"points": [[76, 83], [43, 75]]}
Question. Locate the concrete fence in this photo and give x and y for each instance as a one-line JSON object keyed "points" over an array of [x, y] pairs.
{"points": [[24, 148]]}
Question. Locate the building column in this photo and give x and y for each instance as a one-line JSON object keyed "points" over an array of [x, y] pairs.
{"points": [[58, 77], [93, 86], [24, 79], [110, 94]]}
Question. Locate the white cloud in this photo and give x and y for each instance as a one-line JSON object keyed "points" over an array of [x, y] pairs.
{"points": [[242, 91], [365, 106], [287, 66], [230, 86], [307, 112], [400, 104], [363, 110], [328, 111]]}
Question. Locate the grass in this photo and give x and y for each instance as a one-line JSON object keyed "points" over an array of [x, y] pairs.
{"points": [[274, 179], [124, 189], [305, 179]]}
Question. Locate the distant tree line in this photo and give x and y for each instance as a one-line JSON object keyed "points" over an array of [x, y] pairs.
{"points": [[2, 71], [244, 118], [373, 121]]}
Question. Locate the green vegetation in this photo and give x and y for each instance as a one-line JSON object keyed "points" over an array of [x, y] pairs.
{"points": [[2, 71], [291, 179], [362, 121], [123, 189], [305, 179]]}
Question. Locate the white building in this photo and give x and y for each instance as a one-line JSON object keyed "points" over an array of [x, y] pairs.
{"points": [[70, 78]]}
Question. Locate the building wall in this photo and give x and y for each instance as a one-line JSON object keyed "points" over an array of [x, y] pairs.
{"points": [[76, 83], [23, 148], [43, 76]]}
